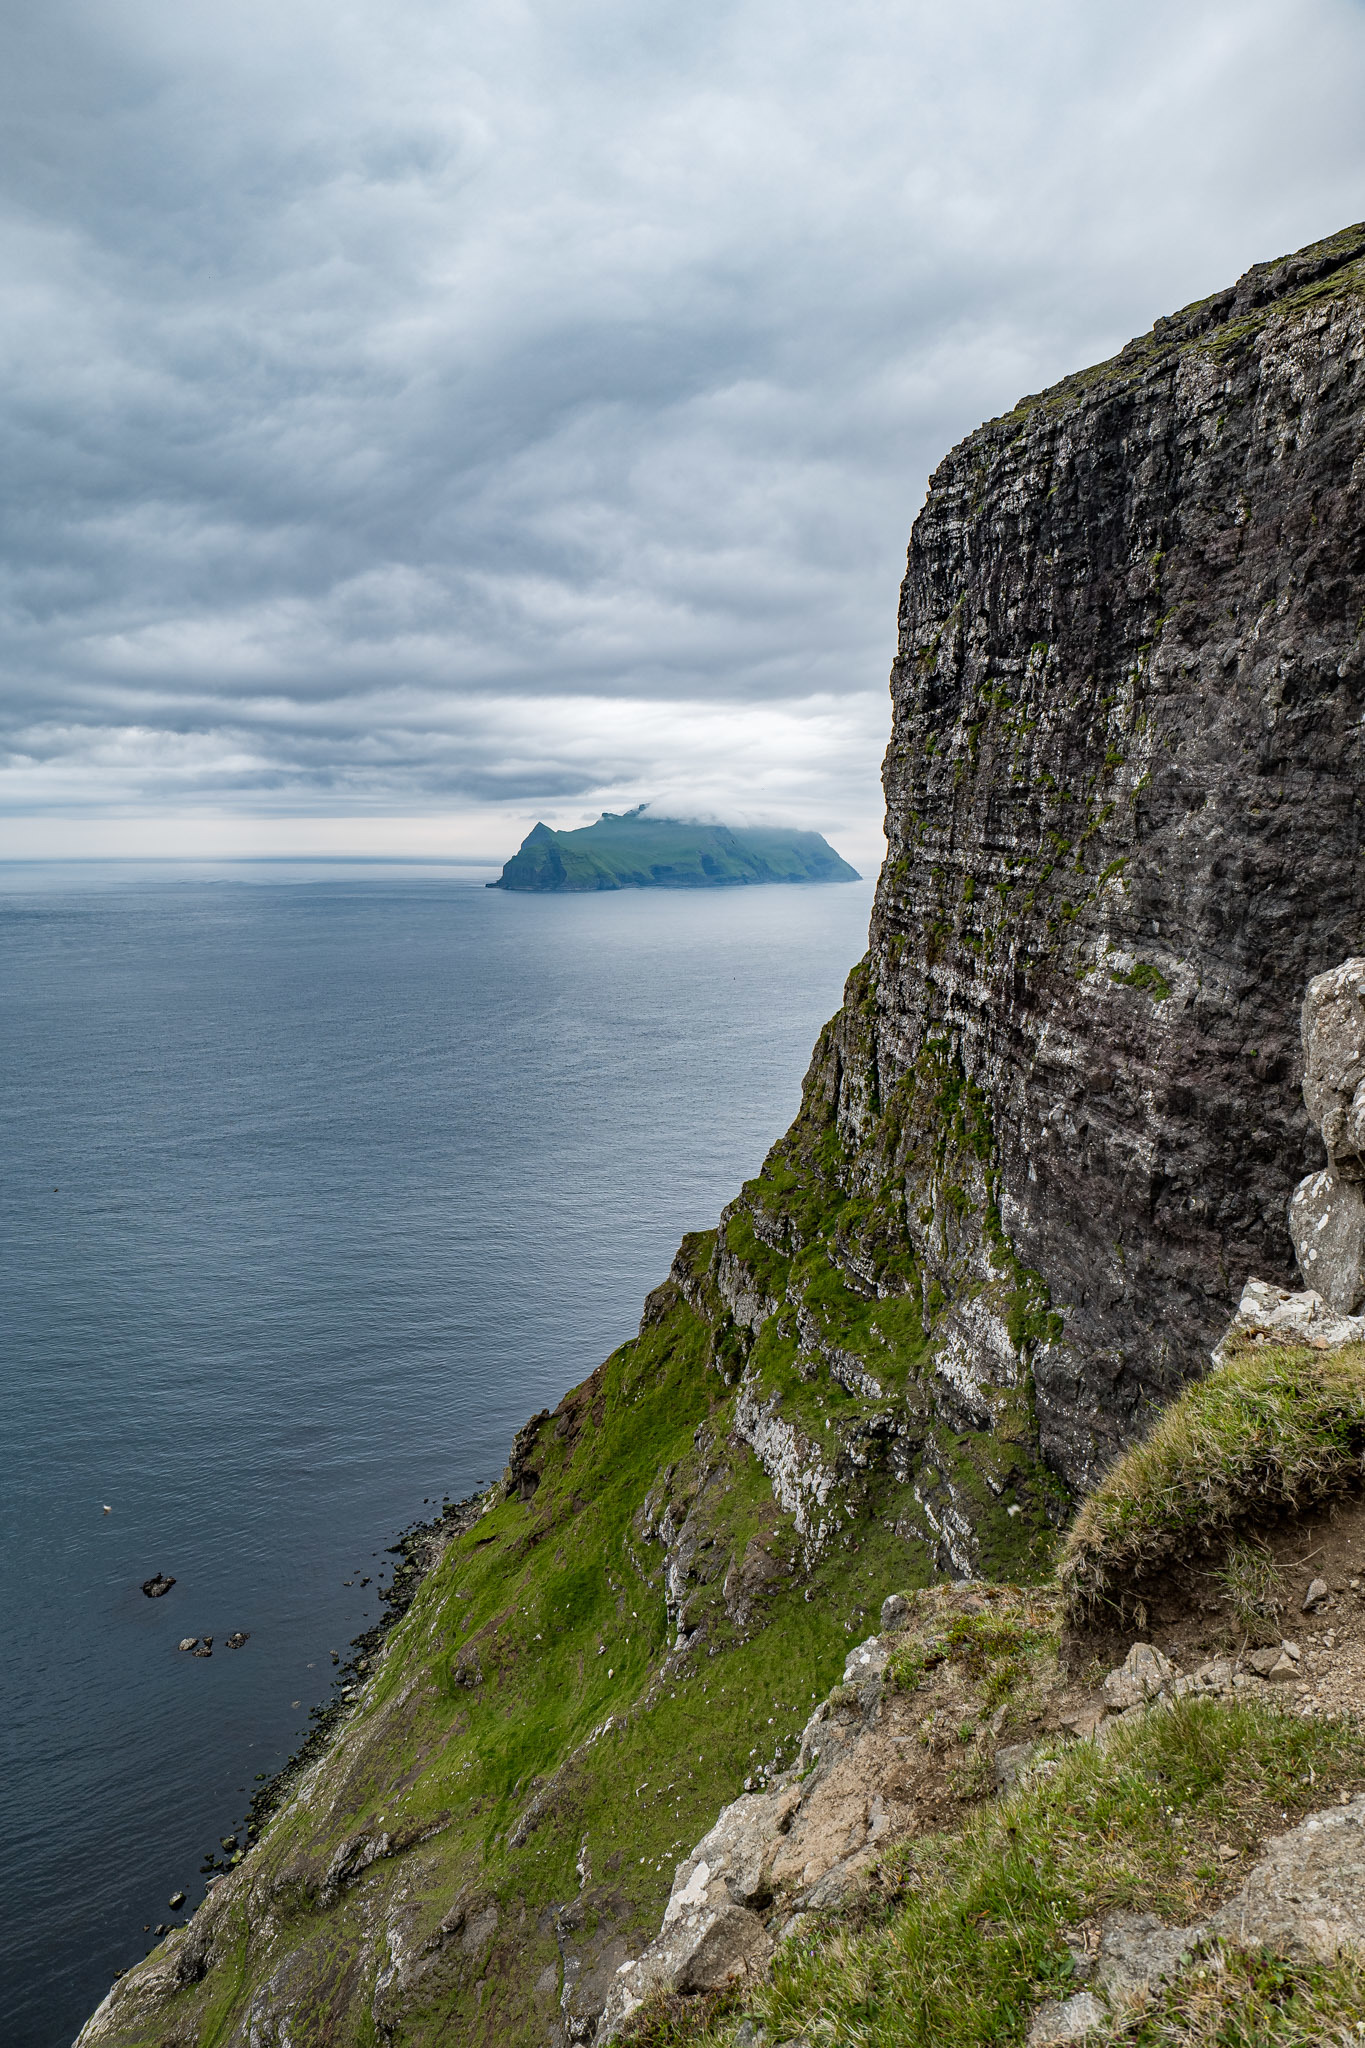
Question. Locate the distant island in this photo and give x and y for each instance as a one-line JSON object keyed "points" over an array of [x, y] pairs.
{"points": [[627, 850]]}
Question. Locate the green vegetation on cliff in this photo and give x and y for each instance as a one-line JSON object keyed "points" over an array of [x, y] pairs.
{"points": [[640, 1618], [626, 850]]}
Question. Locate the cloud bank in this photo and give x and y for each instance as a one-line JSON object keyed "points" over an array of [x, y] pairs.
{"points": [[419, 418]]}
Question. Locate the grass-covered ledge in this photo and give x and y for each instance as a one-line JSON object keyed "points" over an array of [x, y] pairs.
{"points": [[1274, 1427]]}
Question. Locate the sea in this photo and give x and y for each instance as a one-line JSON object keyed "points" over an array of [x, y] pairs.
{"points": [[315, 1181]]}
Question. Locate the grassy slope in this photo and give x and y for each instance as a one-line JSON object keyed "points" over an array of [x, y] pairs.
{"points": [[557, 1605]]}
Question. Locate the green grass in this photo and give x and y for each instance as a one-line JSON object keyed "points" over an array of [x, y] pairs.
{"points": [[1249, 1998], [1142, 974], [1274, 1427], [1255, 1590]]}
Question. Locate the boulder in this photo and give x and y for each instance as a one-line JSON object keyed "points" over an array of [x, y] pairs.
{"points": [[896, 1611], [1137, 1950], [1327, 1209], [1143, 1674], [1278, 1316], [703, 1948], [1327, 1224], [1307, 1894], [1333, 1028]]}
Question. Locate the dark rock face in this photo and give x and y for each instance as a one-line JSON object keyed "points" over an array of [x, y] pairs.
{"points": [[1124, 816]]}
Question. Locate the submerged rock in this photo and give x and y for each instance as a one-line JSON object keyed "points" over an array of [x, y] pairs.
{"points": [[157, 1585]]}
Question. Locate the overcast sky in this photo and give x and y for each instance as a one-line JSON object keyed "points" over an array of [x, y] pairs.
{"points": [[417, 419]]}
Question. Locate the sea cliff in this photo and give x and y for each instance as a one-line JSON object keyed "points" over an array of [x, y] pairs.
{"points": [[1050, 1133]]}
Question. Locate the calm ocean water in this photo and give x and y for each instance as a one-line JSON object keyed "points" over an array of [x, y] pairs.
{"points": [[314, 1183]]}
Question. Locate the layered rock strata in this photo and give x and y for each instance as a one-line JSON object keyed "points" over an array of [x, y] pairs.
{"points": [[1123, 808]]}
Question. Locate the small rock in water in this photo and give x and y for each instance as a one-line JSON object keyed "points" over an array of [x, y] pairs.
{"points": [[1316, 1592], [205, 1648], [238, 1637], [176, 1901], [187, 1642], [157, 1585]]}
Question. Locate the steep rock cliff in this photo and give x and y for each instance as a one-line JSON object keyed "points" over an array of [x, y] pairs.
{"points": [[1124, 797], [1048, 1136]]}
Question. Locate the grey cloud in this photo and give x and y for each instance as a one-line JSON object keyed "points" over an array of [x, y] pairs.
{"points": [[421, 407]]}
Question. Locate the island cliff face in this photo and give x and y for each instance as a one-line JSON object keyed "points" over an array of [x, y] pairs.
{"points": [[1049, 1135]]}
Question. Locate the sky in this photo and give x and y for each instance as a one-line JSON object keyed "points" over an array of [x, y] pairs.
{"points": [[419, 419]]}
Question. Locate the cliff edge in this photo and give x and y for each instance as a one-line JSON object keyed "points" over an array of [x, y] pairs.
{"points": [[1049, 1135]]}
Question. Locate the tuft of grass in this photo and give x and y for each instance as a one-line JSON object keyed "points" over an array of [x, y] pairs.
{"points": [[1276, 1426], [1145, 975], [996, 1652], [1252, 1582], [1251, 1998], [974, 1936], [667, 2020]]}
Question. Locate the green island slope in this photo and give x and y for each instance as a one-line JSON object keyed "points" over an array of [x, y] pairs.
{"points": [[627, 850]]}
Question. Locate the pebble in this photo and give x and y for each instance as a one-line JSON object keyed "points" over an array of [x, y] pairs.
{"points": [[1316, 1592]]}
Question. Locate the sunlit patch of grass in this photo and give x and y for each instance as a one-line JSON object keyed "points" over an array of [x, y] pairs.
{"points": [[1276, 1426]]}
